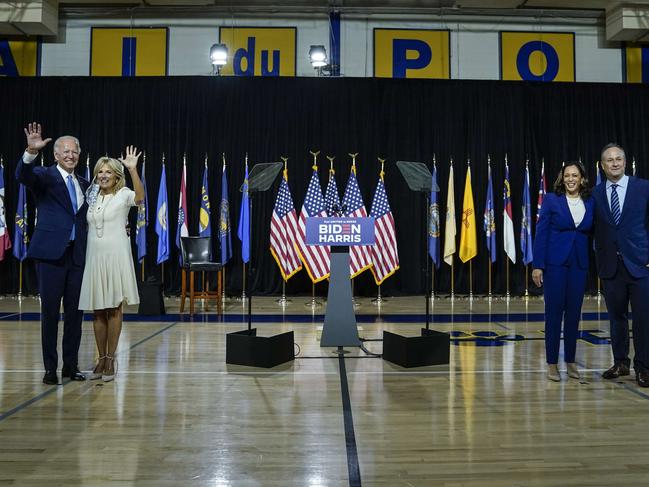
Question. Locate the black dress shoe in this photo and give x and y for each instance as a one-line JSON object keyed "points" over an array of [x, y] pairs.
{"points": [[72, 374], [616, 371], [642, 378], [50, 378]]}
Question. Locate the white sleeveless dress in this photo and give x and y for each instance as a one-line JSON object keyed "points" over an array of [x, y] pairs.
{"points": [[109, 276]]}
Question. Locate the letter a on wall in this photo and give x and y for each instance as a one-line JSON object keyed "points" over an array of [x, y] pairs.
{"points": [[128, 52], [636, 64], [408, 53], [19, 58], [259, 51], [537, 56]]}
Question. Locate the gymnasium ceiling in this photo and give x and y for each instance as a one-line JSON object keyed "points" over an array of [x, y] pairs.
{"points": [[624, 21]]}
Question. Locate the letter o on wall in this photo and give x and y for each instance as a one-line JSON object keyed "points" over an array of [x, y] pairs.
{"points": [[551, 58]]}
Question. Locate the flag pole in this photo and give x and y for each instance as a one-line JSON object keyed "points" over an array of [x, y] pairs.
{"points": [[143, 166], [223, 268], [313, 303], [162, 264], [507, 295], [20, 281], [471, 279], [452, 277], [379, 299], [243, 289], [353, 156], [283, 300], [489, 266]]}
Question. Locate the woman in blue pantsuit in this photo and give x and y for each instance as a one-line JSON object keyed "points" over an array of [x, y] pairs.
{"points": [[561, 262]]}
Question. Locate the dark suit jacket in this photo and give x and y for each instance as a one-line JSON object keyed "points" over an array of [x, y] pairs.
{"points": [[556, 233], [55, 213], [630, 238]]}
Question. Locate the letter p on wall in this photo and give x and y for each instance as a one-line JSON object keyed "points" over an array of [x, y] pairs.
{"points": [[409, 53]]}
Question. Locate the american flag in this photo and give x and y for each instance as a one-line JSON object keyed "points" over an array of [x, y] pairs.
{"points": [[332, 200], [359, 255], [314, 257], [283, 232], [385, 256]]}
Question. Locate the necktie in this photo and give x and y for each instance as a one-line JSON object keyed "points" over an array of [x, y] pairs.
{"points": [[615, 204], [73, 197]]}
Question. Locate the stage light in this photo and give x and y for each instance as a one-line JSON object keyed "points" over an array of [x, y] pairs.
{"points": [[219, 56], [318, 56]]}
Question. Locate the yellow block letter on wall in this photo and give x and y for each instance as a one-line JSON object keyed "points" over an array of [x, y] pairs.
{"points": [[259, 51], [636, 64], [19, 58], [537, 56], [407, 53], [128, 52]]}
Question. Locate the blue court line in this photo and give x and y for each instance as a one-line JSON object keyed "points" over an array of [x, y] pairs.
{"points": [[319, 318], [353, 467], [54, 389]]}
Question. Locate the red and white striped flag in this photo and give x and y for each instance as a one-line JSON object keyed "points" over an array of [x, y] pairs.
{"points": [[353, 206], [181, 229], [283, 232], [316, 258], [385, 256]]}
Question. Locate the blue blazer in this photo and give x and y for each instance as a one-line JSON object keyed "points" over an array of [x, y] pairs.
{"points": [[556, 234], [630, 238], [55, 213]]}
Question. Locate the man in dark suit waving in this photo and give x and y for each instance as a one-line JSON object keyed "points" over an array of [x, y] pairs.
{"points": [[622, 251], [58, 245]]}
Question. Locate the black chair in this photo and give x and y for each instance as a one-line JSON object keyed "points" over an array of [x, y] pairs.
{"points": [[197, 257]]}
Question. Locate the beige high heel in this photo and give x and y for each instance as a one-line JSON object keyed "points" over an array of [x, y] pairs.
{"points": [[106, 377], [573, 371], [97, 371], [553, 373]]}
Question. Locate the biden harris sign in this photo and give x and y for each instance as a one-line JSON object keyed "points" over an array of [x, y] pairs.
{"points": [[537, 56], [410, 53], [340, 231]]}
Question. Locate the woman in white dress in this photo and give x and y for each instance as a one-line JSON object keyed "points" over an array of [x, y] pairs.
{"points": [[109, 276]]}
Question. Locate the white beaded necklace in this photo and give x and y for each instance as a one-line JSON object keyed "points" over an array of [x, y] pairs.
{"points": [[99, 210]]}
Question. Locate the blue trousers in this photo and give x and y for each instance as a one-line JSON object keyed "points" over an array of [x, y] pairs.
{"points": [[619, 291], [564, 288], [60, 280]]}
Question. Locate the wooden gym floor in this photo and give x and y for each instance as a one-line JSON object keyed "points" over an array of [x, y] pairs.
{"points": [[177, 415]]}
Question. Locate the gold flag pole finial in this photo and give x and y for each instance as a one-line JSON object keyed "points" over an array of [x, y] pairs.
{"points": [[315, 159], [206, 159], [451, 160], [468, 161], [285, 159], [633, 166], [506, 163], [184, 158], [382, 161], [331, 165], [353, 156], [434, 161], [223, 159], [488, 160], [246, 159], [163, 158]]}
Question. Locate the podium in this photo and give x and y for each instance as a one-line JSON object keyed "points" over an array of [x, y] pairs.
{"points": [[245, 347], [340, 328]]}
